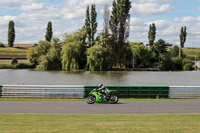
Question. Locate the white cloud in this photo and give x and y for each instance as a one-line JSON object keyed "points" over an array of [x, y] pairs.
{"points": [[13, 3], [33, 7], [146, 9]]}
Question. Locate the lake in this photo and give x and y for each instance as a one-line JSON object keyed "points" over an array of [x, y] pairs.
{"points": [[118, 78]]}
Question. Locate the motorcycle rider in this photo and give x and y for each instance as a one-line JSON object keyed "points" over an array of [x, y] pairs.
{"points": [[103, 90]]}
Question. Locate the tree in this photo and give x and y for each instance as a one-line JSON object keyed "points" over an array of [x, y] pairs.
{"points": [[141, 55], [35, 54], [98, 58], [52, 60], [159, 48], [152, 34], [183, 36], [174, 52], [93, 22], [87, 25], [106, 16], [11, 33], [74, 51], [49, 32], [119, 25]]}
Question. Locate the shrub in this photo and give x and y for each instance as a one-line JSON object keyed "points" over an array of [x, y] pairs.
{"points": [[188, 67], [178, 62], [24, 66], [14, 61], [2, 45]]}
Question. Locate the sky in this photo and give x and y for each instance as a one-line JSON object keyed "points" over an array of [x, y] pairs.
{"points": [[67, 16]]}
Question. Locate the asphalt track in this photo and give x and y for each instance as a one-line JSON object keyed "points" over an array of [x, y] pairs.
{"points": [[133, 107]]}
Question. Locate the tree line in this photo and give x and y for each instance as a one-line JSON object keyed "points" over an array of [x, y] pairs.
{"points": [[109, 50]]}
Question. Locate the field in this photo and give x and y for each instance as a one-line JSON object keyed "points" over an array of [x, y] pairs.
{"points": [[192, 52], [29, 123]]}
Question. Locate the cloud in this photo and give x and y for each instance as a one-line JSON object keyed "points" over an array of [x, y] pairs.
{"points": [[146, 9], [39, 11], [13, 3]]}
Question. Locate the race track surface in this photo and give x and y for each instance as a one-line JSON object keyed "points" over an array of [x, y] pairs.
{"points": [[136, 107]]}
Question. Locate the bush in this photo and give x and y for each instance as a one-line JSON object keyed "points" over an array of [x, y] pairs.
{"points": [[178, 63], [14, 61], [2, 45], [188, 67], [24, 66]]}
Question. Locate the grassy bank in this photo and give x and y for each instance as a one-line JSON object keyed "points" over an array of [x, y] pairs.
{"points": [[29, 123], [11, 50], [38, 99]]}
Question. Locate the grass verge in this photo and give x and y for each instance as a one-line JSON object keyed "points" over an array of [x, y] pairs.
{"points": [[38, 99], [29, 123]]}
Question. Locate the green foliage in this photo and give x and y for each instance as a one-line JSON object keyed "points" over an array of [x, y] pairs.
{"points": [[188, 65], [11, 33], [35, 54], [49, 32], [159, 47], [46, 55], [178, 62], [87, 25], [94, 23], [52, 60], [174, 52], [183, 36], [74, 51], [167, 63], [152, 34], [91, 24], [14, 61], [2, 45], [98, 58], [141, 55], [119, 25], [24, 66]]}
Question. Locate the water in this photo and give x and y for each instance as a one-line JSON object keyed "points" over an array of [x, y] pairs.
{"points": [[122, 78]]}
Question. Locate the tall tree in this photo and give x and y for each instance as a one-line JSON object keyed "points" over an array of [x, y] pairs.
{"points": [[87, 25], [93, 22], [119, 25], [152, 34], [183, 36], [49, 32], [11, 33]]}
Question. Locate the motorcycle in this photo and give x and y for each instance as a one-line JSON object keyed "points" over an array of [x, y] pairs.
{"points": [[99, 97]]}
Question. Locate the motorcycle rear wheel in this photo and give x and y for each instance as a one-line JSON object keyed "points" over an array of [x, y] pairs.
{"points": [[113, 99], [90, 99]]}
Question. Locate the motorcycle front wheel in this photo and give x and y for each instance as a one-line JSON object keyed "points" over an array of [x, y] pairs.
{"points": [[90, 99], [113, 99]]}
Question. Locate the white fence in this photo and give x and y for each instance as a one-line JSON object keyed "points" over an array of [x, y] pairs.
{"points": [[184, 92], [43, 91]]}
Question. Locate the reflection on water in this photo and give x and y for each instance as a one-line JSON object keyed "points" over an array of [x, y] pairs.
{"points": [[123, 78]]}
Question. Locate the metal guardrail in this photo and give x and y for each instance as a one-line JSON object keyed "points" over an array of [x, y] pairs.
{"points": [[179, 92], [42, 91], [81, 91]]}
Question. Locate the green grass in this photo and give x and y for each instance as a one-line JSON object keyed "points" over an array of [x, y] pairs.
{"points": [[38, 99], [191, 52], [7, 50], [49, 123], [9, 61]]}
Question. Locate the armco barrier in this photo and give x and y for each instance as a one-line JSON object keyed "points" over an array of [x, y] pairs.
{"points": [[81, 91], [184, 92], [135, 91], [42, 91], [0, 90]]}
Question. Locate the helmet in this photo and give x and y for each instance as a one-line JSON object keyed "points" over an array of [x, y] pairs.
{"points": [[100, 85]]}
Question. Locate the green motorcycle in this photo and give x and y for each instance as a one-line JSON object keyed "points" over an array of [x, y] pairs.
{"points": [[98, 97]]}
